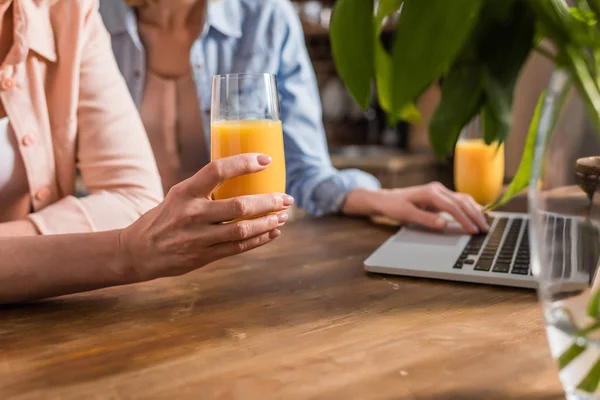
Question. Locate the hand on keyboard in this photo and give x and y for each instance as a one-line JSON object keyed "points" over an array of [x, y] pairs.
{"points": [[423, 205]]}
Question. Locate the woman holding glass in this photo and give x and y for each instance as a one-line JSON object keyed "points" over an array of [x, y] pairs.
{"points": [[168, 50], [63, 104]]}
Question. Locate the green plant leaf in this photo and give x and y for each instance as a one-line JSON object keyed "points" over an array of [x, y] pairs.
{"points": [[462, 98], [590, 383], [557, 21], [383, 75], [521, 179], [503, 48], [570, 354], [352, 33], [586, 84], [387, 7], [586, 16], [497, 111], [594, 5], [429, 36], [500, 9], [583, 332], [594, 305]]}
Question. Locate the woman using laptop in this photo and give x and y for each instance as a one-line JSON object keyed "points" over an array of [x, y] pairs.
{"points": [[168, 50], [63, 104]]}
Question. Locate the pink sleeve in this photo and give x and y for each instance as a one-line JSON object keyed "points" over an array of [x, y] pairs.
{"points": [[113, 152]]}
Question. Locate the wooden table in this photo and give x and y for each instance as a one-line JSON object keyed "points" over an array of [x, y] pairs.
{"points": [[296, 320]]}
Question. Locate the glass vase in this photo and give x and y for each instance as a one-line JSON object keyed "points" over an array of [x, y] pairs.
{"points": [[564, 213]]}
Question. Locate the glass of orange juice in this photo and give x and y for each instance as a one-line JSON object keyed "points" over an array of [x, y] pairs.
{"points": [[245, 119], [478, 167]]}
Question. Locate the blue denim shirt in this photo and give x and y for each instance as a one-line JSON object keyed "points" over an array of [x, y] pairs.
{"points": [[254, 36]]}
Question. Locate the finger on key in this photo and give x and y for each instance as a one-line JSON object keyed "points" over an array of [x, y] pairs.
{"points": [[472, 209], [479, 214], [452, 206]]}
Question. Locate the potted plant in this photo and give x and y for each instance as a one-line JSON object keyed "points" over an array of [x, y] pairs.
{"points": [[478, 48]]}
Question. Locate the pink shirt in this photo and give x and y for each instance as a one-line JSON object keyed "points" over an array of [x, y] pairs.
{"points": [[69, 108]]}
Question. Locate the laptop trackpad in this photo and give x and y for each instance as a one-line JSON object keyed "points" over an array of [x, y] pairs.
{"points": [[417, 248], [411, 236]]}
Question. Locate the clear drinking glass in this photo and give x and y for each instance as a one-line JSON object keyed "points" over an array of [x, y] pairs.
{"points": [[245, 119], [565, 246], [478, 167]]}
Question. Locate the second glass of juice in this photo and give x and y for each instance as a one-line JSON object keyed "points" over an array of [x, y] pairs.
{"points": [[245, 118], [478, 167]]}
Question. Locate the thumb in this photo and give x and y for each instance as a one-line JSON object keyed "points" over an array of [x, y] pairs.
{"points": [[427, 219]]}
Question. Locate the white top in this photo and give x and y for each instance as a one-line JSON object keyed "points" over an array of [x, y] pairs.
{"points": [[14, 188]]}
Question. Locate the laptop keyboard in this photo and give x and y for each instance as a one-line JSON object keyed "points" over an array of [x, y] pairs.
{"points": [[506, 248]]}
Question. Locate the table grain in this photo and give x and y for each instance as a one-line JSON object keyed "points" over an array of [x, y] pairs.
{"points": [[299, 319]]}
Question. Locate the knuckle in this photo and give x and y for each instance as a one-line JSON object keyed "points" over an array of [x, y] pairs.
{"points": [[176, 190], [436, 185], [247, 163], [276, 201], [217, 170], [238, 247], [241, 230], [239, 206], [190, 213]]}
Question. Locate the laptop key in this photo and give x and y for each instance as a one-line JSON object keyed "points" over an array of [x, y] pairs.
{"points": [[520, 271], [483, 265], [469, 262], [501, 267]]}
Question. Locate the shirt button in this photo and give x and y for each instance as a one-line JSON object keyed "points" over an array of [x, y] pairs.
{"points": [[8, 83], [28, 140], [42, 194]]}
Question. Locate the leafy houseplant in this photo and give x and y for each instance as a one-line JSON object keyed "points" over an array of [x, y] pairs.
{"points": [[478, 48]]}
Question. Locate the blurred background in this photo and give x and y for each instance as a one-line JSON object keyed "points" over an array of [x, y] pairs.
{"points": [[400, 156]]}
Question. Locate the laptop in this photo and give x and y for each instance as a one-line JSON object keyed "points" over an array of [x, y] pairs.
{"points": [[499, 257]]}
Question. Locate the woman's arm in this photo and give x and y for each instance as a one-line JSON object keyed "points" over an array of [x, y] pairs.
{"points": [[18, 228], [46, 266], [113, 153], [182, 234]]}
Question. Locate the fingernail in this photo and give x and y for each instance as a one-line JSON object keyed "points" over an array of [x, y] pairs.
{"points": [[287, 200], [486, 226], [274, 233], [282, 217], [264, 159], [440, 223]]}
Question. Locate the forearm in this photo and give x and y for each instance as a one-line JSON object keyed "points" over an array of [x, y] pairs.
{"points": [[18, 229], [45, 266], [362, 202]]}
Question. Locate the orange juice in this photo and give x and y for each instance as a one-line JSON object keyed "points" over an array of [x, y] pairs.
{"points": [[479, 169], [231, 138]]}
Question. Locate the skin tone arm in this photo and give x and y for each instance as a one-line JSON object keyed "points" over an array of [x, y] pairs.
{"points": [[183, 233], [18, 228], [419, 204]]}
